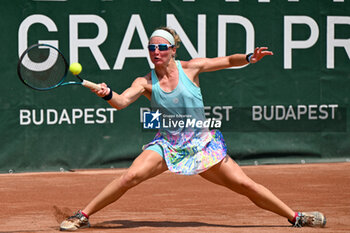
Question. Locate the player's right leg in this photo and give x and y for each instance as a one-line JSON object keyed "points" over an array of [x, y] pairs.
{"points": [[147, 165]]}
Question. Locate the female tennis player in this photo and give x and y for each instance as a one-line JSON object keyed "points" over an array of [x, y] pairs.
{"points": [[173, 86]]}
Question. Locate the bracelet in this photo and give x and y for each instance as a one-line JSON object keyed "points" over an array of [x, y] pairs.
{"points": [[109, 96], [248, 57]]}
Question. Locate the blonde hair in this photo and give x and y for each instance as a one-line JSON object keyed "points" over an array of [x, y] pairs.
{"points": [[173, 33]]}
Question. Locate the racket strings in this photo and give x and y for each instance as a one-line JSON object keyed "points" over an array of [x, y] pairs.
{"points": [[42, 67]]}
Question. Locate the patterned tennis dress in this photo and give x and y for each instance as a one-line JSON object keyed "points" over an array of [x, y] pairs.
{"points": [[188, 148]]}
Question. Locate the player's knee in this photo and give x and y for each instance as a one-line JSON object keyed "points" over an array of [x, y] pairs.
{"points": [[248, 187], [130, 179]]}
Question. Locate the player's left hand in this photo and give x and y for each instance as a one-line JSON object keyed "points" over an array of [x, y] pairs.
{"points": [[259, 53]]}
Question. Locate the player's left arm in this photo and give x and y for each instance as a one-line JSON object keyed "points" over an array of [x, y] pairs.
{"points": [[200, 65]]}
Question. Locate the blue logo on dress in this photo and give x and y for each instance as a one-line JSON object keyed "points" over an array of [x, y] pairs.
{"points": [[151, 120]]}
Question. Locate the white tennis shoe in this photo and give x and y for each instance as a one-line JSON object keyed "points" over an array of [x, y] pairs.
{"points": [[310, 219], [75, 222]]}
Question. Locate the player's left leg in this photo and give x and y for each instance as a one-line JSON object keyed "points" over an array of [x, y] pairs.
{"points": [[227, 173]]}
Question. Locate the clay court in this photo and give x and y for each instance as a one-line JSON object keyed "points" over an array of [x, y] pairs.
{"points": [[37, 202]]}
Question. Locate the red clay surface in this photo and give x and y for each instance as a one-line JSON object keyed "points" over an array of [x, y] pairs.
{"points": [[37, 202]]}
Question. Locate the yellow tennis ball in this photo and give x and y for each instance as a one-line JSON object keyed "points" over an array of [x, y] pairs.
{"points": [[75, 68]]}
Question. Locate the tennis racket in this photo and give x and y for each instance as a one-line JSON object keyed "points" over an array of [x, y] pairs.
{"points": [[43, 67]]}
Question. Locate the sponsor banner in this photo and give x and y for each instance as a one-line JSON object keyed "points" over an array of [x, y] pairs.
{"points": [[273, 118], [263, 108], [66, 116]]}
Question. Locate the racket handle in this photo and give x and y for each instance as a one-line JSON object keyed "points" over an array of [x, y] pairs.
{"points": [[91, 85]]}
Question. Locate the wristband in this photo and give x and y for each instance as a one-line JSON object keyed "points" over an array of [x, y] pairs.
{"points": [[109, 96], [248, 57]]}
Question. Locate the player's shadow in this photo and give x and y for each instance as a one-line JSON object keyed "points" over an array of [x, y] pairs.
{"points": [[124, 224]]}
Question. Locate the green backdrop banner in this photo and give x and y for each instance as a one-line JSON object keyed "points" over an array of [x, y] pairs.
{"points": [[289, 108]]}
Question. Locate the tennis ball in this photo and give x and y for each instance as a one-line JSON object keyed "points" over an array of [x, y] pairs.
{"points": [[75, 68]]}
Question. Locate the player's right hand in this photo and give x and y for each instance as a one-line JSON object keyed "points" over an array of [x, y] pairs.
{"points": [[104, 90]]}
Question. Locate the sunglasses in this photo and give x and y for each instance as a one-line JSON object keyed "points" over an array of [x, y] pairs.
{"points": [[161, 47]]}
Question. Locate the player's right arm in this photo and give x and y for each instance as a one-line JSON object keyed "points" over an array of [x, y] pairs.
{"points": [[140, 86]]}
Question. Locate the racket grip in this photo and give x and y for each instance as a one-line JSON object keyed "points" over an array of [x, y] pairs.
{"points": [[91, 85]]}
